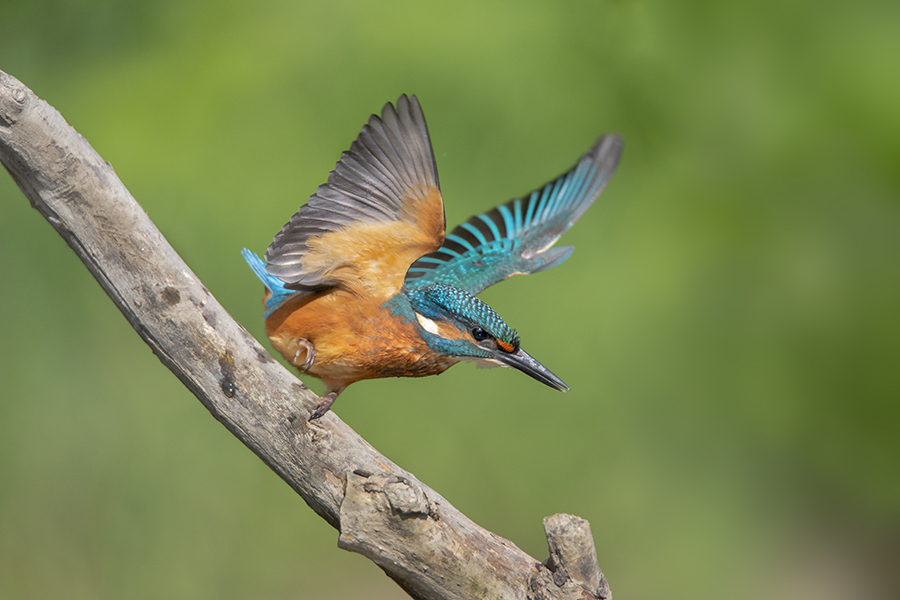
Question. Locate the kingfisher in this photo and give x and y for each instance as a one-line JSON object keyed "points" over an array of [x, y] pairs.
{"points": [[363, 282]]}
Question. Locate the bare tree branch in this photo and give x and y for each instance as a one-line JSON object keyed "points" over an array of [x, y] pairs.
{"points": [[383, 512]]}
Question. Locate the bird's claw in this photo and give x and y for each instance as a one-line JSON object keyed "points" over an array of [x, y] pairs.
{"points": [[323, 406]]}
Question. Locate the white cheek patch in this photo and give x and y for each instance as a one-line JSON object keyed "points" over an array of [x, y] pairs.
{"points": [[427, 324]]}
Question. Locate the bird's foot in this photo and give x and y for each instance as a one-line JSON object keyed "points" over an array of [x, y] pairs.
{"points": [[326, 401], [305, 345]]}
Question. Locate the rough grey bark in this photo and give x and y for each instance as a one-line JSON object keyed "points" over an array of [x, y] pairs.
{"points": [[383, 512]]}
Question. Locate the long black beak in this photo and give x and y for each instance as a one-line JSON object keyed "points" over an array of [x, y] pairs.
{"points": [[523, 361]]}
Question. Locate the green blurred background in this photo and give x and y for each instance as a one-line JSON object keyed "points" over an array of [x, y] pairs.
{"points": [[728, 325]]}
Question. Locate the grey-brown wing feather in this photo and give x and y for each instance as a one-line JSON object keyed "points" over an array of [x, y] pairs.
{"points": [[387, 173]]}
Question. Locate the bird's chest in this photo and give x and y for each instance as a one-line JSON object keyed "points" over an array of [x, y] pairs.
{"points": [[356, 338], [381, 344]]}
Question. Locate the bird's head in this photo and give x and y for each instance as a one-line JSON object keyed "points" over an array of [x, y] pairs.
{"points": [[457, 324]]}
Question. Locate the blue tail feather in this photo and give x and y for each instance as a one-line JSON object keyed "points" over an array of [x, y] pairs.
{"points": [[272, 283]]}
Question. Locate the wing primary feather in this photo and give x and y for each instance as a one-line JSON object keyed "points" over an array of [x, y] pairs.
{"points": [[453, 246], [492, 226], [461, 241], [474, 231], [383, 141], [517, 210], [402, 129], [508, 223], [432, 259]]}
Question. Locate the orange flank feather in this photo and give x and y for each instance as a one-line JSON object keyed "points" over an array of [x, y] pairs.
{"points": [[355, 338]]}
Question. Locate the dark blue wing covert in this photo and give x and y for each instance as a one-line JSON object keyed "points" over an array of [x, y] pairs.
{"points": [[516, 238]]}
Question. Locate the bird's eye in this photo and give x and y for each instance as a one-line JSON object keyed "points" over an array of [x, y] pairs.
{"points": [[480, 334]]}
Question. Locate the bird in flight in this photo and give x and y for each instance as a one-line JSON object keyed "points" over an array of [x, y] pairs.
{"points": [[363, 282]]}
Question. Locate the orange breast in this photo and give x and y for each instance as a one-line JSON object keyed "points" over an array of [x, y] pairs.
{"points": [[355, 338]]}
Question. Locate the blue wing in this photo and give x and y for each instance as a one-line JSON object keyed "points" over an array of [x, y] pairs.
{"points": [[516, 238]]}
